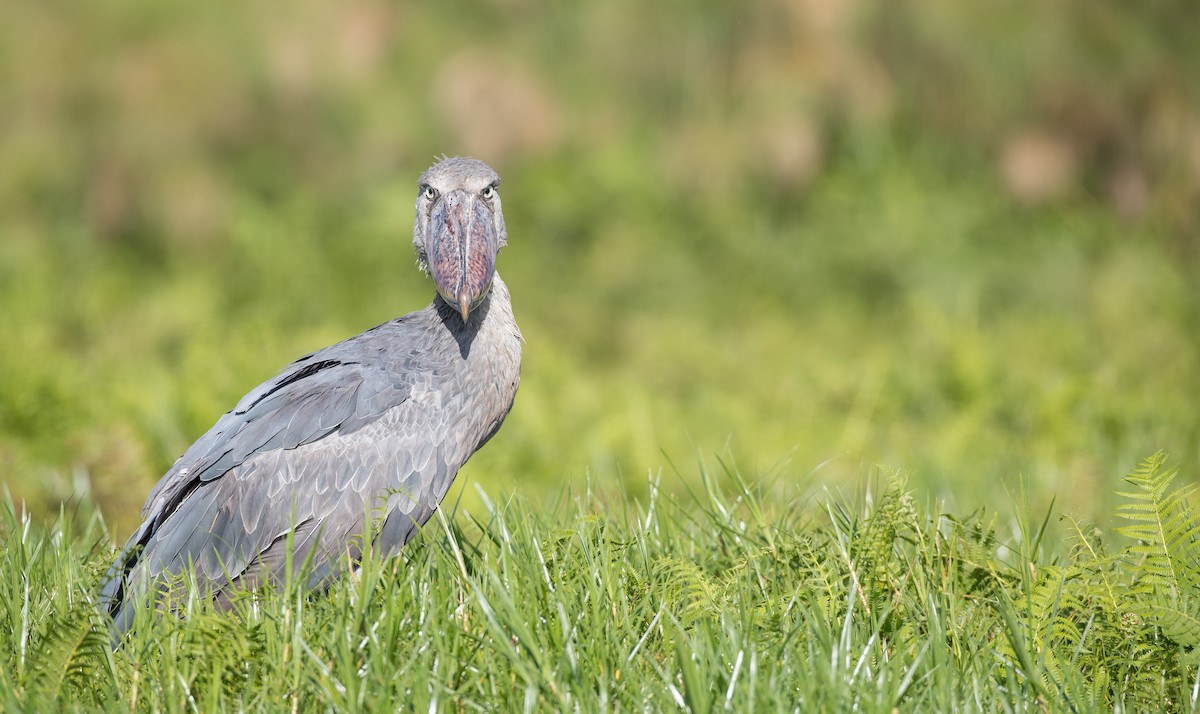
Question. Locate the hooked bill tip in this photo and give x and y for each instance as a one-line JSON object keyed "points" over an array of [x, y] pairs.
{"points": [[464, 304]]}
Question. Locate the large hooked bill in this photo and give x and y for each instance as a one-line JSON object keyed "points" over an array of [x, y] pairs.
{"points": [[462, 249]]}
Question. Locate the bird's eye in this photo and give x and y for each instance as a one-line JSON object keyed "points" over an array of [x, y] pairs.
{"points": [[489, 192], [430, 193]]}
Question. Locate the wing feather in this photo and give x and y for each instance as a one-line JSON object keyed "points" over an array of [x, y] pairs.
{"points": [[304, 403]]}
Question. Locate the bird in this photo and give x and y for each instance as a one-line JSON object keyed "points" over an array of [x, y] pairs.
{"points": [[351, 447]]}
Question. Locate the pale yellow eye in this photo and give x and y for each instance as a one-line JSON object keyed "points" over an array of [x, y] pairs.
{"points": [[489, 192], [430, 193]]}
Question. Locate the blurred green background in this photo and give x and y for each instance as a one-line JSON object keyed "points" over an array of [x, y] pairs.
{"points": [[804, 237]]}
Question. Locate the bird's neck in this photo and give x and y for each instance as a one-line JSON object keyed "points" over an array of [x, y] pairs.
{"points": [[492, 319]]}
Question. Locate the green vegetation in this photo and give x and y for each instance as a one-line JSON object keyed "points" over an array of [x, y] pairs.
{"points": [[809, 237], [720, 602]]}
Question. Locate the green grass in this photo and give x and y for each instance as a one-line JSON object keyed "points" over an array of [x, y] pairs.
{"points": [[741, 597]]}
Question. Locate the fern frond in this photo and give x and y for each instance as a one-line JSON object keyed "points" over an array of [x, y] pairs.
{"points": [[1053, 607], [873, 552], [686, 589], [1089, 555], [1180, 624], [1167, 531], [72, 654]]}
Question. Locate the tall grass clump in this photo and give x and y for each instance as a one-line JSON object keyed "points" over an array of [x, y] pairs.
{"points": [[735, 599]]}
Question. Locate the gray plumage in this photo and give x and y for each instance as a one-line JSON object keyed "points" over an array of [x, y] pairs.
{"points": [[370, 431]]}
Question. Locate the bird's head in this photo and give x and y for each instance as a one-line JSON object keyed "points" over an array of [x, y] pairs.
{"points": [[459, 229]]}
